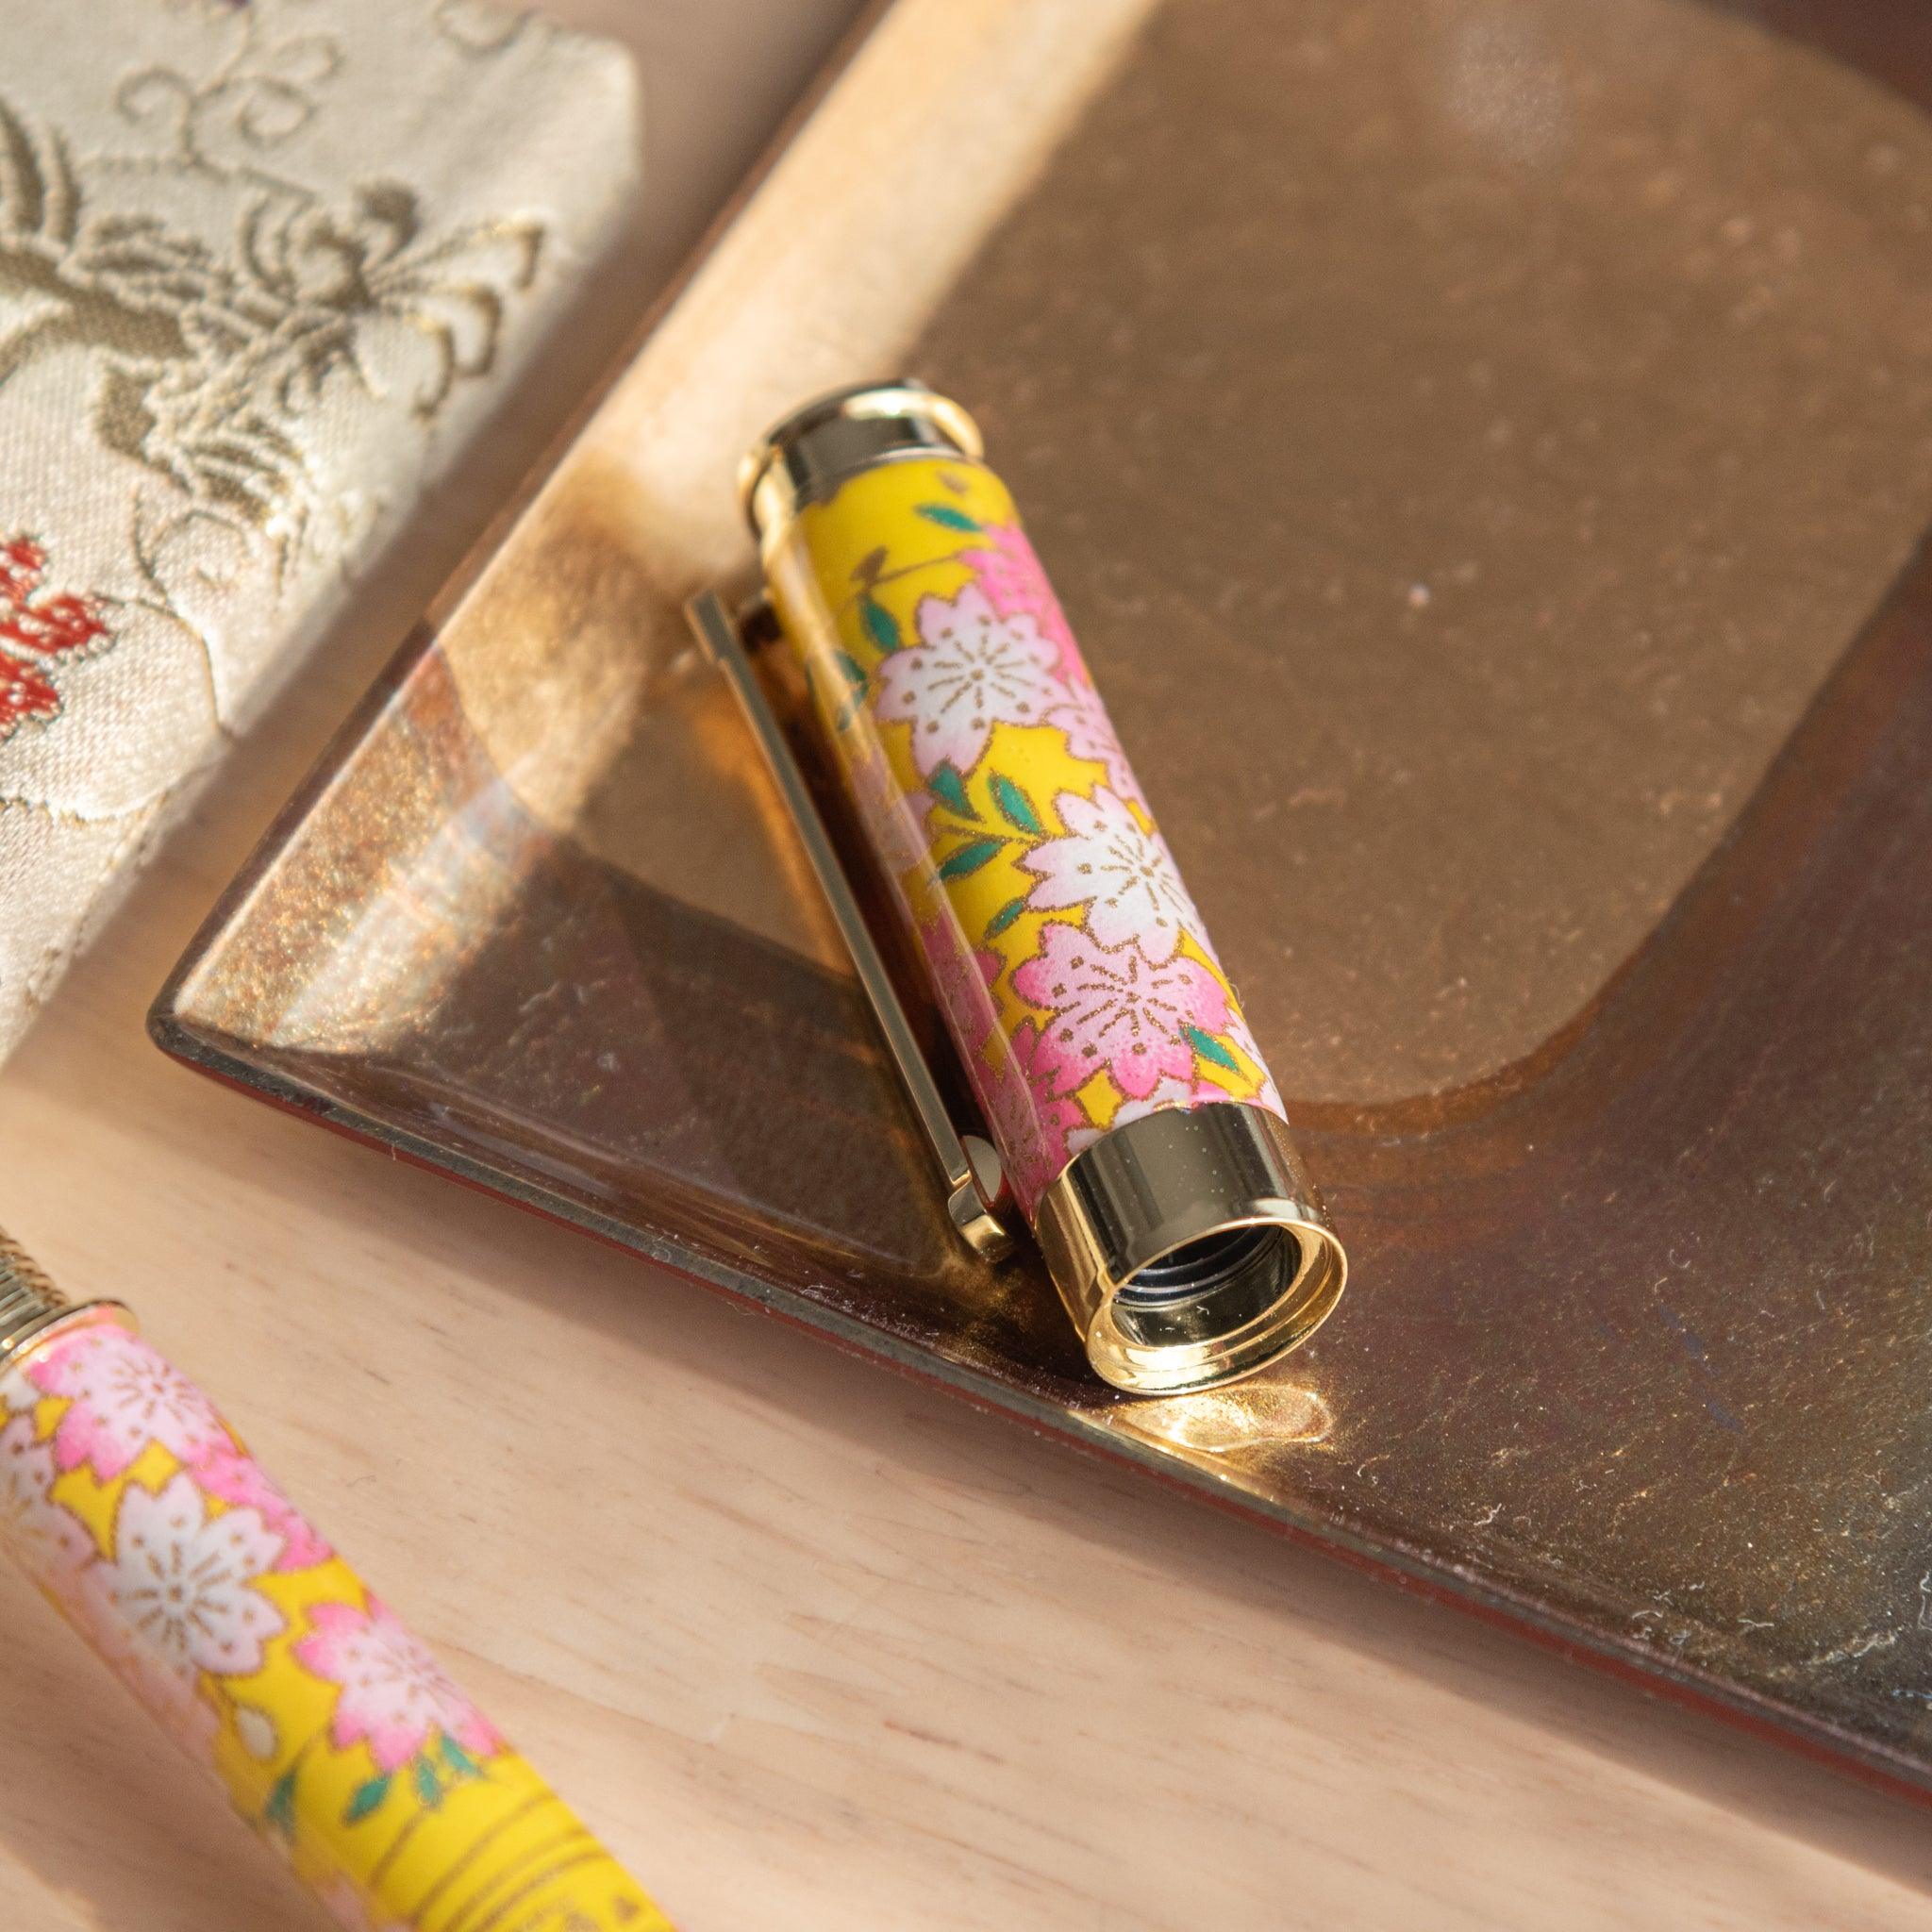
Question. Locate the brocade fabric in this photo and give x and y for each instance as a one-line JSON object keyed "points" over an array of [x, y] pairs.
{"points": [[265, 268]]}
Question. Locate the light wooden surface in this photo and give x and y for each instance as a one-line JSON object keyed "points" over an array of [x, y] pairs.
{"points": [[811, 1646]]}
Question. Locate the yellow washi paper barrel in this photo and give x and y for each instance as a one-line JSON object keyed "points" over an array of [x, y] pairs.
{"points": [[1139, 1128], [330, 1725]]}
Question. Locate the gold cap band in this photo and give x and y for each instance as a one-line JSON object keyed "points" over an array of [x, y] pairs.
{"points": [[835, 436], [1190, 1248], [31, 1305]]}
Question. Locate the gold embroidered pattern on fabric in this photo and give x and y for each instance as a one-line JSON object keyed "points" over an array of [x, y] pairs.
{"points": [[210, 356], [252, 299]]}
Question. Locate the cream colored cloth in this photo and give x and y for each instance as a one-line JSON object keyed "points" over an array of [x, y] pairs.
{"points": [[265, 265]]}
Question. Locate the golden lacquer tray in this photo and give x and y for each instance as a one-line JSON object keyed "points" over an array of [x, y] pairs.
{"points": [[1484, 449]]}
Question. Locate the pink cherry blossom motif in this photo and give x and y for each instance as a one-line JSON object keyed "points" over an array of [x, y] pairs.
{"points": [[1118, 1011], [1118, 872], [234, 1475], [1166, 1093], [1090, 735], [963, 977], [183, 1580], [124, 1397], [47, 1540], [1016, 585], [395, 1696], [1033, 1126], [970, 669]]}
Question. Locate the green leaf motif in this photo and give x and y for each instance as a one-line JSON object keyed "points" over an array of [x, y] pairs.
{"points": [[460, 1760], [1211, 1049], [951, 790], [1015, 804], [881, 627], [968, 858], [854, 670], [1006, 916], [948, 518], [279, 1814], [428, 1786], [366, 1798]]}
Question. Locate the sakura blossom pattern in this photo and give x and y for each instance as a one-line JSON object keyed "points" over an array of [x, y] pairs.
{"points": [[395, 1696], [182, 1579], [50, 1543], [1117, 869], [122, 1397], [973, 669], [1068, 958], [333, 1729], [1015, 583], [1119, 1011], [1081, 719]]}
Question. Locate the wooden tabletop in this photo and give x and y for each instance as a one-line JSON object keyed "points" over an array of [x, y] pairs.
{"points": [[810, 1646]]}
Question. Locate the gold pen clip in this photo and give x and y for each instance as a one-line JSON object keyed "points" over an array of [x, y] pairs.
{"points": [[967, 1163]]}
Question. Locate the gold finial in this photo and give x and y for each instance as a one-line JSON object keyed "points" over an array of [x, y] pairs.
{"points": [[30, 1303]]}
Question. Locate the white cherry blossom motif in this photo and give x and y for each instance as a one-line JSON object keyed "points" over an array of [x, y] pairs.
{"points": [[124, 1397], [172, 1700], [183, 1580], [17, 1394], [47, 1540], [1091, 735], [970, 669], [1119, 873]]}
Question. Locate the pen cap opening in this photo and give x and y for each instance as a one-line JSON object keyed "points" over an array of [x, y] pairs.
{"points": [[1190, 1249], [1207, 1286]]}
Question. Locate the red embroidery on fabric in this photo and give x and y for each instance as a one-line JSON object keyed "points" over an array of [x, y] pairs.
{"points": [[36, 629]]}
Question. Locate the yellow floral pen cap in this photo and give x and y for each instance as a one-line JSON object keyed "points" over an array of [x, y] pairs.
{"points": [[1137, 1130]]}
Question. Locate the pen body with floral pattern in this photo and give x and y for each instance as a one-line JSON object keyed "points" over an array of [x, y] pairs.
{"points": [[1138, 1130], [330, 1726]]}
